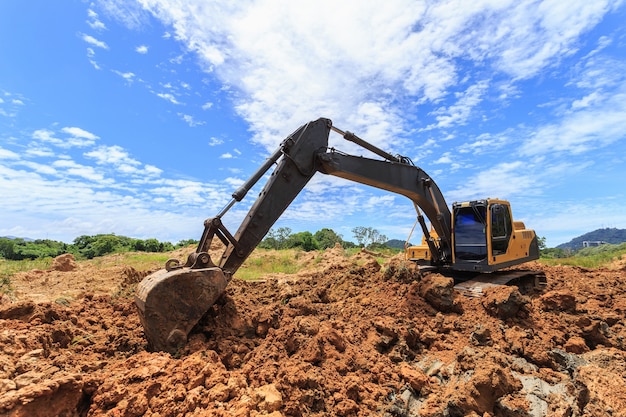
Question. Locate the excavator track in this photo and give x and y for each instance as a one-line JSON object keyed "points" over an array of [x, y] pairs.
{"points": [[527, 281]]}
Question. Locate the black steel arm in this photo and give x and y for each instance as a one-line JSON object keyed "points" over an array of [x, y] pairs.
{"points": [[294, 170], [299, 157], [400, 178]]}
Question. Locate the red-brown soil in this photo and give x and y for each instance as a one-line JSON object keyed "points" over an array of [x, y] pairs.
{"points": [[343, 337]]}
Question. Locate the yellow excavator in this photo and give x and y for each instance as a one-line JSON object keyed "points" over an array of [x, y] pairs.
{"points": [[477, 237]]}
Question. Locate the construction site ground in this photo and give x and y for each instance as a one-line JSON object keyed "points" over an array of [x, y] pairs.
{"points": [[344, 336]]}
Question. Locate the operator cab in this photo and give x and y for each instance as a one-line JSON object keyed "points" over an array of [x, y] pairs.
{"points": [[485, 237]]}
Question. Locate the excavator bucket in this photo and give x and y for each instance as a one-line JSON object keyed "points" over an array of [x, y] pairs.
{"points": [[171, 302]]}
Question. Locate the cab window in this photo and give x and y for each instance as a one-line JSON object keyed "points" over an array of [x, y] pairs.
{"points": [[500, 228], [470, 242]]}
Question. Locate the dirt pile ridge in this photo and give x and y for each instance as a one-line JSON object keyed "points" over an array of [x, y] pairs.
{"points": [[343, 337]]}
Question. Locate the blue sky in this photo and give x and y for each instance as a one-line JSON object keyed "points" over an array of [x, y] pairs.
{"points": [[140, 118]]}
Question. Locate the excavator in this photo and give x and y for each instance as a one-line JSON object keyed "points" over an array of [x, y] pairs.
{"points": [[477, 237]]}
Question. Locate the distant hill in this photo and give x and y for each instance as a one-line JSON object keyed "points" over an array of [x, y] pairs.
{"points": [[25, 239], [395, 243], [606, 235]]}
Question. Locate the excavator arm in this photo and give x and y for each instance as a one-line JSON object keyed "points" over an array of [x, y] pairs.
{"points": [[172, 300]]}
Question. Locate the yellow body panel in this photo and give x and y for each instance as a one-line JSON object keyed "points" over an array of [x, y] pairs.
{"points": [[420, 253], [518, 243]]}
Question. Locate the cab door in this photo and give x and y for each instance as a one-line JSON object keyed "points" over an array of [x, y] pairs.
{"points": [[501, 229]]}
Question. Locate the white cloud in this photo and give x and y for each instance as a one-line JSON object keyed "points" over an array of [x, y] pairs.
{"points": [[460, 111], [383, 61], [501, 181], [94, 42], [72, 168], [169, 97], [114, 155], [129, 12], [215, 141], [94, 22], [124, 164], [75, 137], [190, 120], [39, 168], [142, 49], [128, 76], [46, 135], [599, 123], [151, 170], [35, 149], [90, 55], [79, 133], [7, 154]]}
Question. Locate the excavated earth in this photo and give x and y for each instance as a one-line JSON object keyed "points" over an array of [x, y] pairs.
{"points": [[343, 337]]}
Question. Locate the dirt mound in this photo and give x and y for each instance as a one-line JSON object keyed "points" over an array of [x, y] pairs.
{"points": [[343, 337], [64, 263]]}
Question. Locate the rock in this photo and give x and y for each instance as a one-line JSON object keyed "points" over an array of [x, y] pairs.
{"points": [[576, 345], [604, 388], [22, 310], [7, 385], [270, 399], [481, 336], [503, 301], [52, 397], [438, 291], [559, 300], [415, 377], [567, 362], [481, 392]]}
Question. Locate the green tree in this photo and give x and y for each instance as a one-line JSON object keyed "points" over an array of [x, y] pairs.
{"points": [[81, 243], [541, 242], [326, 238], [368, 237], [360, 234], [105, 244], [552, 253], [139, 245], [186, 242], [7, 248], [276, 238], [153, 245], [304, 240]]}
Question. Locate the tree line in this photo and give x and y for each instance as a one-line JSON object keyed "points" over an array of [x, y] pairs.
{"points": [[283, 238], [88, 247]]}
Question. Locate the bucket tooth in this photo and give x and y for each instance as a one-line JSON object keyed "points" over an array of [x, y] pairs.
{"points": [[171, 302]]}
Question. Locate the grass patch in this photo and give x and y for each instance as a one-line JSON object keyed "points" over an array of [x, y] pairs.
{"points": [[573, 261], [268, 261], [8, 268], [381, 255], [593, 257], [5, 285]]}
